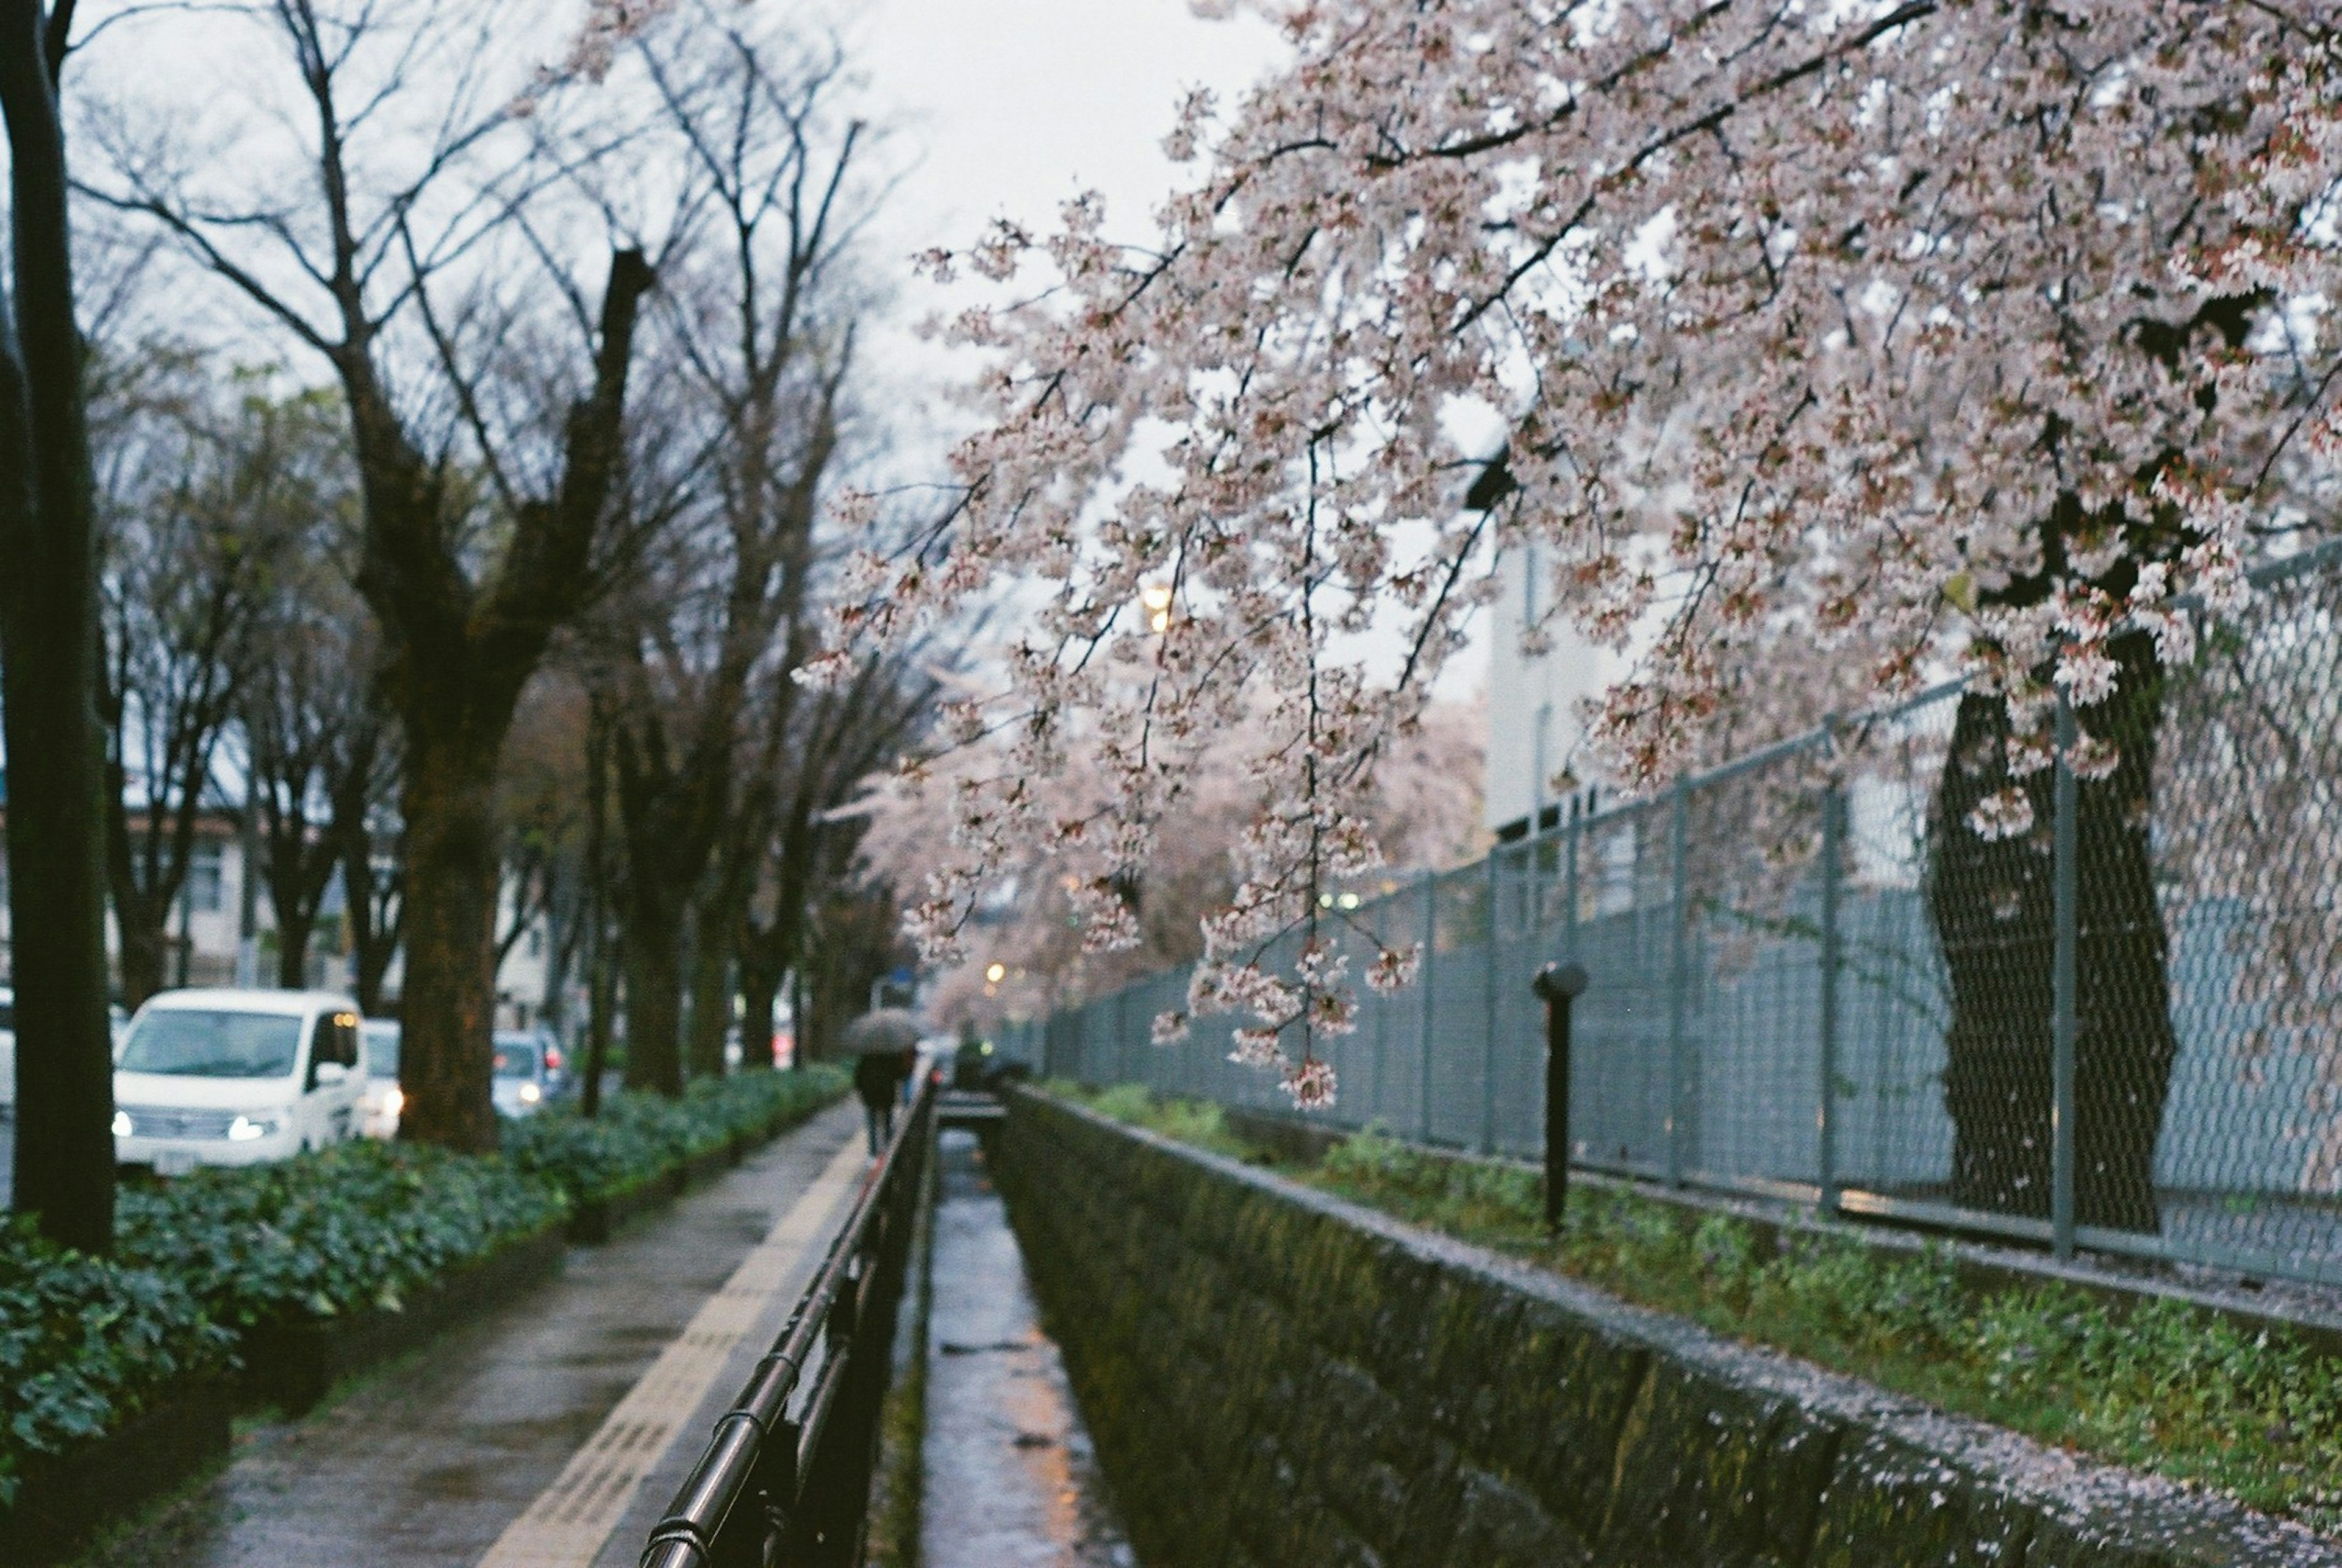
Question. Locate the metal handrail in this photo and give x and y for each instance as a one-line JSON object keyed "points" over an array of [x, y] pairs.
{"points": [[805, 1473]]}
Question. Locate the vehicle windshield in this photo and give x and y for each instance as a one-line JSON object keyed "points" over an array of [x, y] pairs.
{"points": [[516, 1058], [382, 1050], [197, 1042]]}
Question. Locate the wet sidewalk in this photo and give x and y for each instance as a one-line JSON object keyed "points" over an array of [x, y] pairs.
{"points": [[426, 1463], [1010, 1479]]}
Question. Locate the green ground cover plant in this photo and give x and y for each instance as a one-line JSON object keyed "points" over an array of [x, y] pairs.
{"points": [[86, 1343], [2162, 1385], [354, 1225], [638, 1138]]}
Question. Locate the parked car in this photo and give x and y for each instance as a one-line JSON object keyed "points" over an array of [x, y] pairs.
{"points": [[527, 1072], [379, 1107], [236, 1078]]}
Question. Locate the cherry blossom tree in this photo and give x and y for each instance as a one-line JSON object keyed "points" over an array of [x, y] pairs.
{"points": [[1033, 953], [1893, 339]]}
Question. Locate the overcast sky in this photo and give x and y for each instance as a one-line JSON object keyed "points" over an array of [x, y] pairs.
{"points": [[1009, 107]]}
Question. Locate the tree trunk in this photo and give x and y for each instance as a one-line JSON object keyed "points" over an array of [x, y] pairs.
{"points": [[760, 993], [654, 994], [711, 998], [375, 929], [49, 644], [602, 1003], [448, 1003], [145, 949], [293, 949], [715, 953], [1992, 905]]}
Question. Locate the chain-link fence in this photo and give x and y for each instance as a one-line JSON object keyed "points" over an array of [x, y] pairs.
{"points": [[2114, 1020]]}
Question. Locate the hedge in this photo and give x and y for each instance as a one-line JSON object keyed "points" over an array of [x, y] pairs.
{"points": [[352, 1227], [86, 1344], [638, 1138]]}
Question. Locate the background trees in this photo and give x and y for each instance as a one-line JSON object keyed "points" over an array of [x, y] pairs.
{"points": [[414, 228], [368, 459]]}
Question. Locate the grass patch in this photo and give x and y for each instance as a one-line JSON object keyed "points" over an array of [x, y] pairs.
{"points": [[2161, 1386]]}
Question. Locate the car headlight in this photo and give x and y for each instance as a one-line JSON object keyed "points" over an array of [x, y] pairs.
{"points": [[244, 1129], [394, 1103], [530, 1094], [123, 1126]]}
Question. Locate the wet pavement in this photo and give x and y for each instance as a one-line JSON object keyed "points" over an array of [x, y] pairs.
{"points": [[1010, 1479], [428, 1461]]}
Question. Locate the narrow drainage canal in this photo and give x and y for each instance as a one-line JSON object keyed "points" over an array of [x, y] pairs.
{"points": [[1010, 1479]]}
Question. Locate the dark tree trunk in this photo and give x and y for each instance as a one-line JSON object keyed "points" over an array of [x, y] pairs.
{"points": [[145, 953], [654, 991], [447, 1005], [371, 913], [377, 917], [601, 1005], [49, 644], [670, 810], [760, 993], [715, 951], [711, 1000], [1992, 902], [293, 933]]}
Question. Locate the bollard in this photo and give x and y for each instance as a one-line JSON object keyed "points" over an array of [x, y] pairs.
{"points": [[1558, 985]]}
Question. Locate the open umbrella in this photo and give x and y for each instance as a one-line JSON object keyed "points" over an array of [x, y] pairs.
{"points": [[883, 1031]]}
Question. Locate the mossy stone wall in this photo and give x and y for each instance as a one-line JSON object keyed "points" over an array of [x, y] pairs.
{"points": [[1276, 1379]]}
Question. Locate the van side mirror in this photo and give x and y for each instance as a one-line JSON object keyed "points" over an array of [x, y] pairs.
{"points": [[325, 1074]]}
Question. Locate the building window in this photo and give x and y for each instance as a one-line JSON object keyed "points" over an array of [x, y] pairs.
{"points": [[206, 885]]}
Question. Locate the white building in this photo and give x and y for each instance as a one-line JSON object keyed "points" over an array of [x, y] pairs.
{"points": [[1536, 739]]}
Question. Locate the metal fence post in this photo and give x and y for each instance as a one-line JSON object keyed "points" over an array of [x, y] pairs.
{"points": [[1430, 957], [1569, 878], [1833, 873], [1488, 1016], [1678, 985], [2064, 893]]}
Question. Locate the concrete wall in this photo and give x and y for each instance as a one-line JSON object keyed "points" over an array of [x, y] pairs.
{"points": [[1276, 1379]]}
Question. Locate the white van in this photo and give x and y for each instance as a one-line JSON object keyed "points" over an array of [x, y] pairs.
{"points": [[236, 1078]]}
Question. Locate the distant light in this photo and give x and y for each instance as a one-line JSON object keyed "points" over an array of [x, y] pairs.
{"points": [[122, 1125], [530, 1094], [1160, 620], [1156, 598], [996, 972], [244, 1130], [1349, 901], [394, 1103], [1325, 900]]}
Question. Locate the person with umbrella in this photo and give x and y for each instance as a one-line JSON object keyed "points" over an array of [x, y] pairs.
{"points": [[885, 1042]]}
